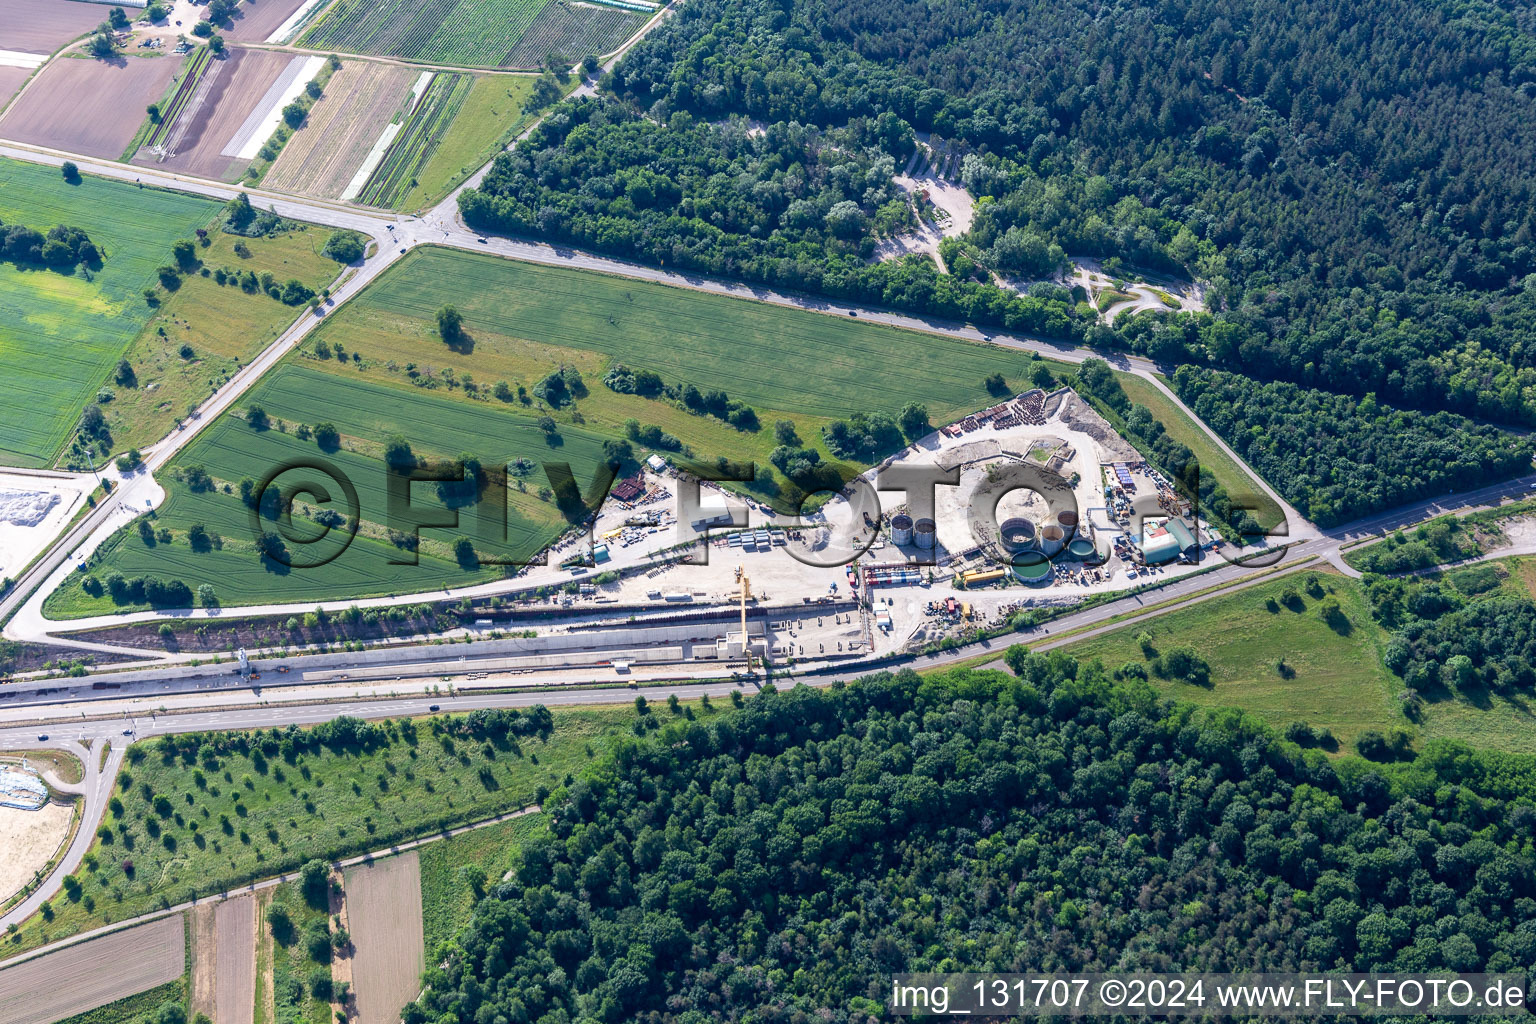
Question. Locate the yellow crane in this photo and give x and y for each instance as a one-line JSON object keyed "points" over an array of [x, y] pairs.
{"points": [[746, 592]]}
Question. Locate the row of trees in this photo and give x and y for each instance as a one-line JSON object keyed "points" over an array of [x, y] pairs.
{"points": [[687, 397]]}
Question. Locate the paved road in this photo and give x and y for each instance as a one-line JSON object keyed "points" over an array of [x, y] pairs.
{"points": [[94, 789]]}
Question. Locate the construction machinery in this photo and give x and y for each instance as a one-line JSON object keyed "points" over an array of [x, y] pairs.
{"points": [[746, 594]]}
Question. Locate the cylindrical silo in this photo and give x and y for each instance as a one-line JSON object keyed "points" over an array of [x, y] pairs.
{"points": [[1067, 521], [901, 529], [925, 533], [1051, 539], [1017, 534]]}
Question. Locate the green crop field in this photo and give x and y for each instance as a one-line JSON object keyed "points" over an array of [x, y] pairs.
{"points": [[488, 118], [365, 414], [573, 32], [770, 357], [447, 896], [464, 33], [60, 334], [233, 813], [1338, 680]]}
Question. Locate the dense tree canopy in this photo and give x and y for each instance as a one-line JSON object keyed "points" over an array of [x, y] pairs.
{"points": [[1336, 458], [786, 858]]}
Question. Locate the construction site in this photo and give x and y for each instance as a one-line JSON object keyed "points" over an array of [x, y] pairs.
{"points": [[1048, 505]]}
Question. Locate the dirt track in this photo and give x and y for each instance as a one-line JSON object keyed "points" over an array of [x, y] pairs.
{"points": [[89, 106], [91, 974], [384, 911]]}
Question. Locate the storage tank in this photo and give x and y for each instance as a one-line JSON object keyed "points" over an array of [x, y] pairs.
{"points": [[1081, 549], [1033, 572], [1017, 534], [1051, 540], [925, 533], [1067, 521], [901, 529]]}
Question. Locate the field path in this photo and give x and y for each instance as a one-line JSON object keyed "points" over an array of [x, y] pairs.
{"points": [[384, 906], [341, 960], [91, 974], [234, 988]]}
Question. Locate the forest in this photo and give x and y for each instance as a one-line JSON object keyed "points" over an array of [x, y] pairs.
{"points": [[1352, 185], [783, 860], [792, 206], [1337, 458]]}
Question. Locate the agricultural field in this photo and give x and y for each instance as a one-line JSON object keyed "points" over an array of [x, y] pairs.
{"points": [[343, 126], [224, 960], [451, 868], [11, 81], [61, 333], [366, 415], [418, 137], [221, 326], [384, 918], [42, 26], [255, 20], [144, 1008], [164, 129], [82, 977], [236, 813], [196, 142], [574, 29], [754, 352], [89, 106], [488, 118], [466, 33]]}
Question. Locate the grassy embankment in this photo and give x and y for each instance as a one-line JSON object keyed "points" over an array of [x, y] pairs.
{"points": [[1284, 663], [448, 879]]}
